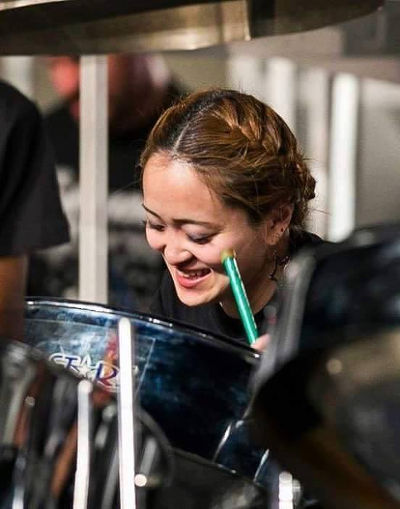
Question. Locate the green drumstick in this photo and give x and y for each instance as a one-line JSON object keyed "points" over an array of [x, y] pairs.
{"points": [[229, 262]]}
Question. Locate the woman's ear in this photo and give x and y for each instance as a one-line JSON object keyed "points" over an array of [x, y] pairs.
{"points": [[277, 223]]}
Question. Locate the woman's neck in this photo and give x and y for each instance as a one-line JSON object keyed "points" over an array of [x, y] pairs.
{"points": [[257, 301]]}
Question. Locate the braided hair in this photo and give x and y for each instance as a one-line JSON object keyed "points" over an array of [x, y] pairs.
{"points": [[240, 148]]}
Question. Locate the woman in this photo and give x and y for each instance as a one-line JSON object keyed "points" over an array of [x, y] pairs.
{"points": [[222, 170]]}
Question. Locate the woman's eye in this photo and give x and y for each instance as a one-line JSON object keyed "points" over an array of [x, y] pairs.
{"points": [[199, 239], [154, 226]]}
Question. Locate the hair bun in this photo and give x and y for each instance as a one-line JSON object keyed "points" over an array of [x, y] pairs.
{"points": [[306, 182]]}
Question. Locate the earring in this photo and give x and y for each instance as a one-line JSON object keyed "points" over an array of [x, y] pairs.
{"points": [[278, 262]]}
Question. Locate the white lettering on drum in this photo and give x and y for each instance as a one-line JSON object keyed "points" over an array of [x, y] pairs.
{"points": [[101, 372]]}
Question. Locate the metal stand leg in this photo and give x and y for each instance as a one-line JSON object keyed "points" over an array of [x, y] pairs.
{"points": [[126, 416], [82, 476]]}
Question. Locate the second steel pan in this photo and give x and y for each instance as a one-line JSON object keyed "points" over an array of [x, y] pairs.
{"points": [[334, 362]]}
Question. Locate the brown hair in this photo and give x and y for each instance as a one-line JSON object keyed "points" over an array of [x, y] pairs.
{"points": [[240, 148]]}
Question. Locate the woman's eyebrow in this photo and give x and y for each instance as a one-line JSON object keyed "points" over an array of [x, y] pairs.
{"points": [[193, 221], [181, 221], [150, 211]]}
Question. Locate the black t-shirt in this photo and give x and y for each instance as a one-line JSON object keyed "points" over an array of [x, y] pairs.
{"points": [[31, 216], [211, 317]]}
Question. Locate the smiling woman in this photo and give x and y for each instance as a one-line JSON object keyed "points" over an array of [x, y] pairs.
{"points": [[221, 170]]}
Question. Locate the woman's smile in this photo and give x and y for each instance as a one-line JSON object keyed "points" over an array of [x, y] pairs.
{"points": [[192, 278]]}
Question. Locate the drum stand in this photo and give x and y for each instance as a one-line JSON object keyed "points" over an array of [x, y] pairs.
{"points": [[126, 415], [82, 476], [126, 428]]}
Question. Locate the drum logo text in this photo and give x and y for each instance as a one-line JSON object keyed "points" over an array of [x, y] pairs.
{"points": [[101, 372]]}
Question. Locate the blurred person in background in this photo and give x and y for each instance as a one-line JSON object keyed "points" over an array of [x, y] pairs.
{"points": [[140, 88], [31, 216]]}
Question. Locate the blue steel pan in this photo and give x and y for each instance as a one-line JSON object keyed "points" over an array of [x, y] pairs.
{"points": [[194, 385]]}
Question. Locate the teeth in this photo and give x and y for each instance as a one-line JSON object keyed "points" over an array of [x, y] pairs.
{"points": [[194, 274]]}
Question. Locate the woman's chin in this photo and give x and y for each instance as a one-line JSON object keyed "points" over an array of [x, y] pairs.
{"points": [[193, 299]]}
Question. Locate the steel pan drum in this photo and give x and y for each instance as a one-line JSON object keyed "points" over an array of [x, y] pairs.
{"points": [[337, 291], [39, 437], [195, 386], [334, 363]]}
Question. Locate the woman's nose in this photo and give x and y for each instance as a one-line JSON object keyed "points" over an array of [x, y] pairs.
{"points": [[175, 252]]}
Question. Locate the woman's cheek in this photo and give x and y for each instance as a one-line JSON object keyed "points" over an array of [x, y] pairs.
{"points": [[211, 256], [153, 239]]}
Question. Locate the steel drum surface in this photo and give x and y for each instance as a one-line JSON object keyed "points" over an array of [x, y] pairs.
{"points": [[39, 430], [194, 385], [334, 363]]}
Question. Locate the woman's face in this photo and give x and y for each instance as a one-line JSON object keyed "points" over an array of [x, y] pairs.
{"points": [[190, 227]]}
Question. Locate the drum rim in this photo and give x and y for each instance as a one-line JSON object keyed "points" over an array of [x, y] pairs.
{"points": [[222, 341], [234, 474]]}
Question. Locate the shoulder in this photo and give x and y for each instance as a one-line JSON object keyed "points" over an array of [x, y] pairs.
{"points": [[9, 93], [300, 239], [14, 106]]}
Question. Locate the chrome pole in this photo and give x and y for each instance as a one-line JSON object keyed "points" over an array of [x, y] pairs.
{"points": [[82, 475], [93, 178], [126, 415]]}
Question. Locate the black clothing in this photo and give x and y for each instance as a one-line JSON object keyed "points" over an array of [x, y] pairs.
{"points": [[211, 317], [134, 269], [30, 211], [123, 154], [124, 147]]}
